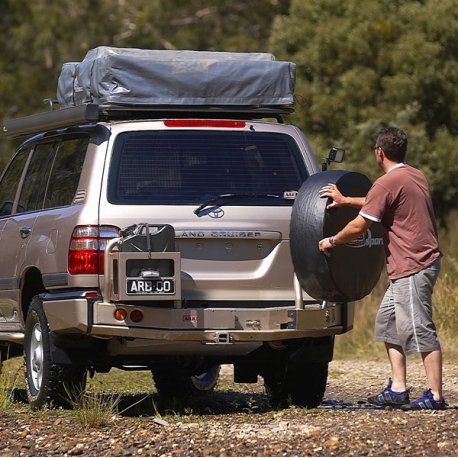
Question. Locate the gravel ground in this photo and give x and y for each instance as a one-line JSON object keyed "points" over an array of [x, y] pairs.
{"points": [[237, 421]]}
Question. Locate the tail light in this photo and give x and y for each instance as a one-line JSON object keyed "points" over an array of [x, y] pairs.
{"points": [[85, 254]]}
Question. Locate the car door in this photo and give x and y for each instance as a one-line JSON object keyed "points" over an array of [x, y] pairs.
{"points": [[18, 228], [9, 184]]}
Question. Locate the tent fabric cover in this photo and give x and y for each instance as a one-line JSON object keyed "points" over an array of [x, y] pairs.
{"points": [[129, 76]]}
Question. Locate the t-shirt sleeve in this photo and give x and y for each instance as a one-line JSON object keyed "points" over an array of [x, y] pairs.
{"points": [[376, 204]]}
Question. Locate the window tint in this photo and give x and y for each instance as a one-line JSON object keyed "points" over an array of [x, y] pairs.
{"points": [[10, 182], [66, 171], [33, 189], [185, 167]]}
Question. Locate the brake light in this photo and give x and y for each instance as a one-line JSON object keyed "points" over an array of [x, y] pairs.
{"points": [[85, 254], [204, 123]]}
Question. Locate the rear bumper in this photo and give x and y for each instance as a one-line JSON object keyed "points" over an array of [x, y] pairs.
{"points": [[207, 325]]}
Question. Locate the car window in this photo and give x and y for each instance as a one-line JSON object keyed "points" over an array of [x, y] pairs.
{"points": [[185, 167], [34, 187], [10, 182], [66, 171]]}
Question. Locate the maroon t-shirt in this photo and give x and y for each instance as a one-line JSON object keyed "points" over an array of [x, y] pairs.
{"points": [[400, 200]]}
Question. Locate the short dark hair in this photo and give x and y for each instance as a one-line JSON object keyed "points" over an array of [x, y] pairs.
{"points": [[393, 142]]}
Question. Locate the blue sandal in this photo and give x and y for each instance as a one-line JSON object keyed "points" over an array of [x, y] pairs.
{"points": [[426, 402], [390, 398]]}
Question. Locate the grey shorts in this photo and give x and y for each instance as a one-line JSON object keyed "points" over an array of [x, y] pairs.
{"points": [[405, 316]]}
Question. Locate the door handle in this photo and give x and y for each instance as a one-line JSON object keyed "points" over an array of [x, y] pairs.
{"points": [[25, 232]]}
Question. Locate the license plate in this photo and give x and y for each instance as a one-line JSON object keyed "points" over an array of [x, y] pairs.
{"points": [[145, 287]]}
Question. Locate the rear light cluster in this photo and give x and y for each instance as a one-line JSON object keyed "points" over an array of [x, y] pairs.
{"points": [[135, 315], [85, 254]]}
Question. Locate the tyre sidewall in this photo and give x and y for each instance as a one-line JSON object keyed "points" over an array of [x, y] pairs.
{"points": [[37, 398], [353, 269]]}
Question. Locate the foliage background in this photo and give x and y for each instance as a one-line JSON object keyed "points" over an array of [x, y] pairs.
{"points": [[360, 65]]}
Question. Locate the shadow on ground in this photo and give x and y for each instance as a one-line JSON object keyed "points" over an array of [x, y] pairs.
{"points": [[217, 403]]}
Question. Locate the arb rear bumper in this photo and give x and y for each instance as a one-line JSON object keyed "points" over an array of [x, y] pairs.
{"points": [[212, 325]]}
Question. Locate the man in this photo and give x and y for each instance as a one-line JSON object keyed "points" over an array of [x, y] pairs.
{"points": [[400, 200]]}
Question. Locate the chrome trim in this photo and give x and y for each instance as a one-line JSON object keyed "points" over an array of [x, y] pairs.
{"points": [[298, 297], [108, 269], [226, 234], [15, 337]]}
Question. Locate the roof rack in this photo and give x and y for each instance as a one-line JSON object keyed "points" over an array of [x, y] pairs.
{"points": [[91, 112]]}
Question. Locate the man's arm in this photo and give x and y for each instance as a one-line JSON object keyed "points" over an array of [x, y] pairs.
{"points": [[330, 190], [353, 229]]}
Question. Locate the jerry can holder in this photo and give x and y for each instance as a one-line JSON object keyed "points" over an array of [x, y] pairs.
{"points": [[143, 265]]}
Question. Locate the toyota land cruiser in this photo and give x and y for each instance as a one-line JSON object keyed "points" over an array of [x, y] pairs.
{"points": [[158, 239]]}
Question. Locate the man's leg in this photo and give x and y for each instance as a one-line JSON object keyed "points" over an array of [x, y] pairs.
{"points": [[433, 367], [397, 359], [395, 394], [386, 331]]}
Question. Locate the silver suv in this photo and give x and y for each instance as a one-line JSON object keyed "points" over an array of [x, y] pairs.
{"points": [[146, 241]]}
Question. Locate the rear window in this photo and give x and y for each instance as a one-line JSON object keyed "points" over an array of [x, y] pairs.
{"points": [[188, 167]]}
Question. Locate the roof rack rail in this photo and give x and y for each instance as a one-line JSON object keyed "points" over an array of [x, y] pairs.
{"points": [[90, 113], [54, 119]]}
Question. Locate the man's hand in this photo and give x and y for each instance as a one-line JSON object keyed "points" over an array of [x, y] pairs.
{"points": [[325, 245], [353, 229], [330, 190]]}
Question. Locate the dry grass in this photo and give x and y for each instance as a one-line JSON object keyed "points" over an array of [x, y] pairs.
{"points": [[94, 409], [360, 341], [9, 380]]}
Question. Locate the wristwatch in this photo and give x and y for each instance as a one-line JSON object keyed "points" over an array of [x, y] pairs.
{"points": [[331, 241]]}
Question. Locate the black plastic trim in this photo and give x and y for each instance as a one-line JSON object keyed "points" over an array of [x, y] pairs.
{"points": [[57, 279], [49, 120]]}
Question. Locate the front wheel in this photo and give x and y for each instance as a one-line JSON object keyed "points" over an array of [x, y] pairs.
{"points": [[47, 382]]}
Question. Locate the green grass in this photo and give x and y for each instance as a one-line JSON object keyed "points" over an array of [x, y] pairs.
{"points": [[139, 382]]}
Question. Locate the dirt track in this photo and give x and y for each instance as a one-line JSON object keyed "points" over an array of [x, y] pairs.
{"points": [[237, 421]]}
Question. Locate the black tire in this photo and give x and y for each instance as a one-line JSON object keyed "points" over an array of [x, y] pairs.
{"points": [[301, 385], [174, 382], [47, 382], [353, 270]]}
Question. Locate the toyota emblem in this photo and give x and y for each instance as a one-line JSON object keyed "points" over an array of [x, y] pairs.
{"points": [[216, 213]]}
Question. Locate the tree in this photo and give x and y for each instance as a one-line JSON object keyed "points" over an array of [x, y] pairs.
{"points": [[362, 65], [38, 37]]}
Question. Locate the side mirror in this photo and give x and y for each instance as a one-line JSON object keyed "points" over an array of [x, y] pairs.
{"points": [[336, 154]]}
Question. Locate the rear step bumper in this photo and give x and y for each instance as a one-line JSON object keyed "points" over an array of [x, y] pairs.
{"points": [[208, 325]]}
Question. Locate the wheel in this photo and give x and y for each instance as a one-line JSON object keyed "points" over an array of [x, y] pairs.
{"points": [[48, 383], [173, 382], [302, 385], [353, 269]]}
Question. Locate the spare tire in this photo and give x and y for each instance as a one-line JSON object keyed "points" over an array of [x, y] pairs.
{"points": [[352, 270]]}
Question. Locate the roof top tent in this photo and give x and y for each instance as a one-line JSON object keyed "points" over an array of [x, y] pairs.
{"points": [[122, 83]]}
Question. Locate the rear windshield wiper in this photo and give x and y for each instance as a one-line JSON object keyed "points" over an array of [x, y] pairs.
{"points": [[229, 196]]}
